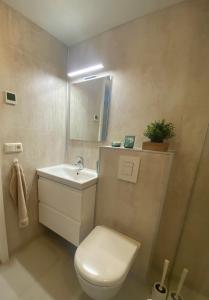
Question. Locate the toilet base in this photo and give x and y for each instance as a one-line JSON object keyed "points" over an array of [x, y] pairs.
{"points": [[98, 292]]}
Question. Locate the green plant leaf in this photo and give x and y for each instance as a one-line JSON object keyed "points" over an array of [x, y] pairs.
{"points": [[158, 131]]}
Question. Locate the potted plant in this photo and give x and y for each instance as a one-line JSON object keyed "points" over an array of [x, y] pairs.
{"points": [[157, 132]]}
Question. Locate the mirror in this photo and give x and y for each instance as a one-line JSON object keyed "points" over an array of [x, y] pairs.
{"points": [[89, 108]]}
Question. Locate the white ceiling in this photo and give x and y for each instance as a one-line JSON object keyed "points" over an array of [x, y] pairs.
{"points": [[72, 21]]}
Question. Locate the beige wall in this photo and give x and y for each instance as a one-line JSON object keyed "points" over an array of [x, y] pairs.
{"points": [[160, 68], [33, 64], [193, 251]]}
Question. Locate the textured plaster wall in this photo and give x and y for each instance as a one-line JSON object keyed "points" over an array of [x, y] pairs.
{"points": [[33, 64], [193, 251]]}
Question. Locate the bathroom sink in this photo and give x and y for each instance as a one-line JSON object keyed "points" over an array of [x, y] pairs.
{"points": [[69, 175]]}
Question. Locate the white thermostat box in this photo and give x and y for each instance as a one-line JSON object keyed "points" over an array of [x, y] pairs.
{"points": [[10, 98]]}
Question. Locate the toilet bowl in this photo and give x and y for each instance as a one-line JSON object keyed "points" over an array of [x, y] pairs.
{"points": [[102, 262]]}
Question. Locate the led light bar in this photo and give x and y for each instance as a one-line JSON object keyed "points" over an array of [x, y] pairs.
{"points": [[86, 70]]}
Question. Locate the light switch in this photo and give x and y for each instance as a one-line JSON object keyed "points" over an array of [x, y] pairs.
{"points": [[128, 168], [13, 147]]}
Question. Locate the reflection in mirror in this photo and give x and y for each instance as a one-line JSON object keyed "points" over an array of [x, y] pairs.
{"points": [[89, 108]]}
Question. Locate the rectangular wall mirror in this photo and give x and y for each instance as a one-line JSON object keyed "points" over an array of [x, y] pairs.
{"points": [[89, 108]]}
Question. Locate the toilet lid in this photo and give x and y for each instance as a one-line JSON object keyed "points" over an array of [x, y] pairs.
{"points": [[105, 256]]}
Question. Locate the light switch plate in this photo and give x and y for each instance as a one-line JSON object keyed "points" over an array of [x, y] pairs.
{"points": [[13, 147], [128, 168]]}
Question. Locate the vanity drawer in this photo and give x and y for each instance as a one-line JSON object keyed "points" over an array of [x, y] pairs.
{"points": [[60, 197], [68, 228]]}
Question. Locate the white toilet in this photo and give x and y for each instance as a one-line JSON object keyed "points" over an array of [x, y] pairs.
{"points": [[102, 262]]}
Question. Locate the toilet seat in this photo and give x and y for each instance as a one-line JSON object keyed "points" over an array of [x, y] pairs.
{"points": [[104, 258]]}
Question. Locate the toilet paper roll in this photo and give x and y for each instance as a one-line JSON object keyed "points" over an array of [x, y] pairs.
{"points": [[157, 294]]}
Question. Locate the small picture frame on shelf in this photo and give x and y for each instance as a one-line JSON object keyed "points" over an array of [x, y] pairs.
{"points": [[129, 141]]}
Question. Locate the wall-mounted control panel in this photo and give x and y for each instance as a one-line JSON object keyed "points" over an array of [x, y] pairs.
{"points": [[13, 147], [10, 98], [128, 168]]}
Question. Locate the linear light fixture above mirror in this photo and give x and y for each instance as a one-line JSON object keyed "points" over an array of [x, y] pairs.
{"points": [[87, 70]]}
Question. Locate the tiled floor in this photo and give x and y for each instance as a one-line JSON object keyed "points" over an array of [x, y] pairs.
{"points": [[44, 270]]}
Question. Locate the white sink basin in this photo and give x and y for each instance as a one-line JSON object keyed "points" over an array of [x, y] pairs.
{"points": [[69, 175]]}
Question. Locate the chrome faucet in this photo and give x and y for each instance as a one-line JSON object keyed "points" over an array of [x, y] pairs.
{"points": [[79, 163]]}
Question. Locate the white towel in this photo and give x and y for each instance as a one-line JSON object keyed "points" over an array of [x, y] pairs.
{"points": [[18, 192]]}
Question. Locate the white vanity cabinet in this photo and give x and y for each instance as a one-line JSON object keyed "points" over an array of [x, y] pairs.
{"points": [[67, 211]]}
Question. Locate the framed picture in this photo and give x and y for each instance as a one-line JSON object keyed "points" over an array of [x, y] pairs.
{"points": [[129, 141]]}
